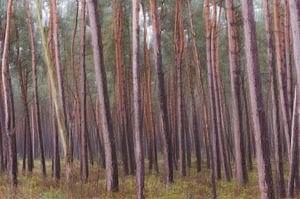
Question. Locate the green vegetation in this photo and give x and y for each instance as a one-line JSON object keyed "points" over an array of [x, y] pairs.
{"points": [[193, 186]]}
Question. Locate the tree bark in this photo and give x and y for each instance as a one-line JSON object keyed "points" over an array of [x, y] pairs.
{"points": [[83, 123], [139, 154], [275, 102], [257, 106], [235, 70], [8, 101], [106, 122], [212, 137], [163, 112]]}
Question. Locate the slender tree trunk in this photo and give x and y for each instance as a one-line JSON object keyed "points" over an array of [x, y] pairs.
{"points": [[8, 101], [163, 111], [83, 123], [257, 106], [212, 137], [275, 101], [35, 89], [179, 47], [56, 100], [280, 75], [27, 130], [240, 155], [139, 154], [106, 122]]}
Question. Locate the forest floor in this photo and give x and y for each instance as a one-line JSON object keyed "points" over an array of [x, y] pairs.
{"points": [[193, 186]]}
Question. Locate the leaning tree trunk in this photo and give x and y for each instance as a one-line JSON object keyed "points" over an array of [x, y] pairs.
{"points": [[9, 125], [257, 106], [35, 89], [106, 121], [56, 100]]}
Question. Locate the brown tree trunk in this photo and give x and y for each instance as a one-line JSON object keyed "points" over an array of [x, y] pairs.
{"points": [[235, 71], [8, 102], [257, 106], [212, 137], [179, 47], [27, 130], [275, 101], [106, 122], [83, 123], [163, 111], [281, 74], [35, 90]]}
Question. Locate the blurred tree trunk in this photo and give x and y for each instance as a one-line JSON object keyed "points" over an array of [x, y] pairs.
{"points": [[235, 71], [295, 21], [281, 74], [275, 101], [35, 89], [83, 123], [163, 111], [9, 102], [212, 137], [106, 122], [139, 154], [257, 106], [179, 47], [23, 80]]}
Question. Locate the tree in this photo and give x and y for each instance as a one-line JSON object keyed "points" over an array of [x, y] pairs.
{"points": [[179, 47], [240, 158], [107, 130], [212, 137], [9, 125], [275, 101], [83, 123], [257, 105], [56, 101], [139, 157], [163, 112], [35, 89]]}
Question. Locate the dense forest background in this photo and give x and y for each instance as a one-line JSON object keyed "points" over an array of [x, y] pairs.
{"points": [[195, 99]]}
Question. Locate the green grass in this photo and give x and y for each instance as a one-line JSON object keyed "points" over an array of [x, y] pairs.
{"points": [[195, 185]]}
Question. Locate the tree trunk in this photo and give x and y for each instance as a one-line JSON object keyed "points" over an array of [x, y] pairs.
{"points": [[106, 122], [179, 47], [275, 101], [257, 106], [235, 71], [8, 102], [139, 154], [35, 90], [280, 75], [212, 136], [163, 112], [83, 124]]}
